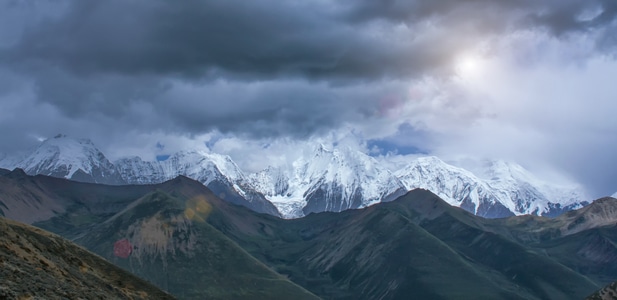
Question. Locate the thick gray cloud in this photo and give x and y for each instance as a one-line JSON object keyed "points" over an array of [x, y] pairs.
{"points": [[267, 69], [214, 38], [269, 38]]}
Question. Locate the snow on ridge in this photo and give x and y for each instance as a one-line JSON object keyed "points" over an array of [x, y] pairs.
{"points": [[512, 173], [341, 174], [345, 177], [196, 164], [498, 181], [61, 154], [451, 183]]}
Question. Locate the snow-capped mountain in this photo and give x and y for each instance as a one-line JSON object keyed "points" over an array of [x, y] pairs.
{"points": [[530, 194], [504, 189], [80, 160], [217, 172], [327, 180], [76, 159], [320, 180], [456, 186]]}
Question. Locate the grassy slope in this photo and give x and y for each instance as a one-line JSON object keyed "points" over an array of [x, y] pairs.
{"points": [[591, 252]]}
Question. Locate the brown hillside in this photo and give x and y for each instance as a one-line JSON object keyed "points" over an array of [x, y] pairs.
{"points": [[35, 264]]}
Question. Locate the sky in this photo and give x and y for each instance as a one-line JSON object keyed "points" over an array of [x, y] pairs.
{"points": [[531, 81]]}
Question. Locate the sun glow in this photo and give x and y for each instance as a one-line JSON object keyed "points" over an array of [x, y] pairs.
{"points": [[468, 66]]}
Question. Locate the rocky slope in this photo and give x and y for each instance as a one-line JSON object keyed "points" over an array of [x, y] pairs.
{"points": [[40, 265]]}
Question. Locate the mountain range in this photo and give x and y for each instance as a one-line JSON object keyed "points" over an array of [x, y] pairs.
{"points": [[320, 180], [182, 237]]}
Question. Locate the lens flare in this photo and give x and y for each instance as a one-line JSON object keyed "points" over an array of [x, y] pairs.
{"points": [[197, 209]]}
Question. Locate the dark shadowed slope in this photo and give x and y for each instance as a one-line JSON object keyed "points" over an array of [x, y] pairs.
{"points": [[416, 246], [32, 199], [23, 200], [37, 264], [592, 252]]}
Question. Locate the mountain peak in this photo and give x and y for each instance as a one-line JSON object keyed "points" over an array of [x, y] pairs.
{"points": [[70, 158], [602, 205], [328, 180], [17, 173], [69, 145], [430, 159]]}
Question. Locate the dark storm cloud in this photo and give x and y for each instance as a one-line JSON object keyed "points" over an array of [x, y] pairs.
{"points": [[210, 38], [269, 109], [266, 38], [101, 57]]}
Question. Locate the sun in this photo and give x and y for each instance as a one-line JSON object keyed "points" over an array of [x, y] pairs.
{"points": [[468, 65]]}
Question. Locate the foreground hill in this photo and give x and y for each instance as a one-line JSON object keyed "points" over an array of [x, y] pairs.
{"points": [[186, 240], [40, 265]]}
